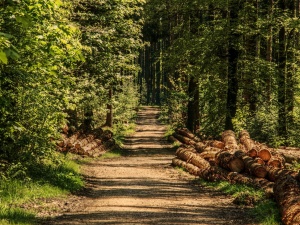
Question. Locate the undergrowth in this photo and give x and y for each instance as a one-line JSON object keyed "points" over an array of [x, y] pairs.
{"points": [[121, 131], [44, 180], [264, 210]]}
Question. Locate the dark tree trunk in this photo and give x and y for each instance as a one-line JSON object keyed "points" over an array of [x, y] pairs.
{"points": [[282, 114], [193, 115], [233, 54], [158, 74], [109, 115]]}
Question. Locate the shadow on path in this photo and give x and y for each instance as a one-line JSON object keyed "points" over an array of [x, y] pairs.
{"points": [[143, 188]]}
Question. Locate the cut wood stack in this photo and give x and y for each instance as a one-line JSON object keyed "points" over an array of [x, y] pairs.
{"points": [[246, 161], [94, 144]]}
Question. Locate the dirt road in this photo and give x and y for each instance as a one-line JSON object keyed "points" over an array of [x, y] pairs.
{"points": [[143, 188]]}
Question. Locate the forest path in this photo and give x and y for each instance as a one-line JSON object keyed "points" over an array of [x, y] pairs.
{"points": [[143, 188]]}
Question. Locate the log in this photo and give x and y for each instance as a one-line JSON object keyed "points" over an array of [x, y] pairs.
{"points": [[275, 162], [85, 140], [174, 140], [275, 173], [252, 153], [209, 155], [184, 140], [247, 141], [186, 133], [192, 157], [90, 146], [228, 137], [290, 158], [217, 144], [259, 160], [188, 166], [200, 146], [229, 161], [184, 153], [199, 161], [215, 173], [74, 138], [297, 176], [264, 154], [253, 168], [287, 194]]}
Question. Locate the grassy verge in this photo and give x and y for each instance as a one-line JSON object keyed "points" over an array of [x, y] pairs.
{"points": [[112, 154], [45, 180], [121, 131], [264, 210]]}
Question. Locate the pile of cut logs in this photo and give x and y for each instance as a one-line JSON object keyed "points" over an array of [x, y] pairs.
{"points": [[93, 144], [245, 161]]}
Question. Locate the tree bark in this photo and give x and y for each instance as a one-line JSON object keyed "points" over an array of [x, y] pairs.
{"points": [[233, 55], [109, 114], [193, 114]]}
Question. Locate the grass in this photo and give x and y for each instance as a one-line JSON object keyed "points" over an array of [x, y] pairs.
{"points": [[264, 210], [121, 131], [45, 180], [112, 154]]}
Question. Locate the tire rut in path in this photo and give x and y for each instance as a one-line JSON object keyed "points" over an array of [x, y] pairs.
{"points": [[143, 188]]}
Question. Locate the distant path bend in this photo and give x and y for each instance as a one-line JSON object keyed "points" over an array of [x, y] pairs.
{"points": [[143, 188]]}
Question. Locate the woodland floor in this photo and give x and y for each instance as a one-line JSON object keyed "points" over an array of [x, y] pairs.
{"points": [[142, 187]]}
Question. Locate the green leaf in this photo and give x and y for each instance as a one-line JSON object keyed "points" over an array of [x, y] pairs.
{"points": [[5, 35], [3, 57]]}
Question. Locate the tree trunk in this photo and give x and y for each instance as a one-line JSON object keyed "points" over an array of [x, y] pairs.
{"points": [[282, 114], [233, 54], [109, 114], [193, 114]]}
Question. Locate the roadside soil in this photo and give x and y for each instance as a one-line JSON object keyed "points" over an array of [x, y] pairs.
{"points": [[142, 187]]}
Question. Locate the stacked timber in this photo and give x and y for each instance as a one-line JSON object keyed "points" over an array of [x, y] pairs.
{"points": [[243, 161], [93, 145]]}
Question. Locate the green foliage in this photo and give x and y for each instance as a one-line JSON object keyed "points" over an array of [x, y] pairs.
{"points": [[196, 39], [116, 153], [45, 180], [58, 59], [267, 213]]}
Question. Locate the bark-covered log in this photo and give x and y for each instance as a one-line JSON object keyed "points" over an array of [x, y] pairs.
{"points": [[211, 154], [183, 139], [229, 139], [184, 153], [92, 145], [247, 141], [229, 161], [85, 140], [253, 168], [297, 176], [290, 158], [186, 133], [215, 173], [188, 166], [192, 157], [275, 173], [217, 144], [200, 146], [287, 194], [174, 140]]}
